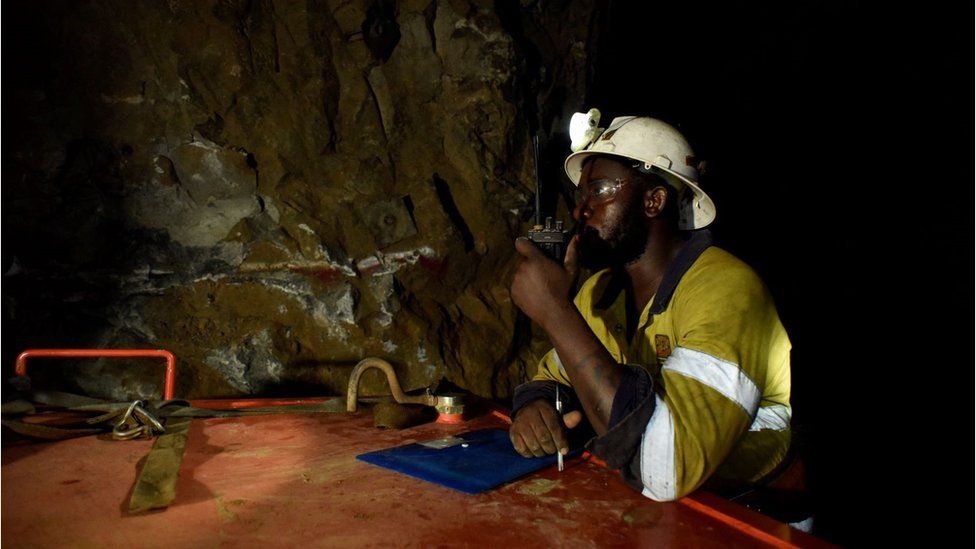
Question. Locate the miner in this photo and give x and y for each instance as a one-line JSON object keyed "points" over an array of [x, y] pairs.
{"points": [[672, 351]]}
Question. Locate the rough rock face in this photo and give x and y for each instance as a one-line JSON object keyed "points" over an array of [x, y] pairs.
{"points": [[275, 190]]}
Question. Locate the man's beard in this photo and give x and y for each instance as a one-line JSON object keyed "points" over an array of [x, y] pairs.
{"points": [[625, 243]]}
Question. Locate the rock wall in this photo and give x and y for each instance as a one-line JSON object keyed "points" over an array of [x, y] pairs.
{"points": [[274, 190]]}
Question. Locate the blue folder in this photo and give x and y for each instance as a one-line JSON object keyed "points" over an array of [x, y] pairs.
{"points": [[470, 462]]}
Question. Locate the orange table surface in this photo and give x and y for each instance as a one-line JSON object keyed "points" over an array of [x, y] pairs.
{"points": [[293, 480]]}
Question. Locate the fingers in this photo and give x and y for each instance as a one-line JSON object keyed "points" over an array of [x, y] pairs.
{"points": [[556, 430], [518, 433], [518, 443], [525, 247], [543, 437], [571, 261], [572, 419], [526, 442], [537, 432]]}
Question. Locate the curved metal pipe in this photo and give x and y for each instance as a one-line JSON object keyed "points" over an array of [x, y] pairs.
{"points": [[398, 395]]}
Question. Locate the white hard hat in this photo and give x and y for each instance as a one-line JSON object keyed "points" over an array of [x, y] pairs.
{"points": [[663, 151]]}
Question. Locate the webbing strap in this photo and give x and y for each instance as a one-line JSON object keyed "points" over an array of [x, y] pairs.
{"points": [[43, 432], [17, 407], [109, 411], [64, 400], [156, 485]]}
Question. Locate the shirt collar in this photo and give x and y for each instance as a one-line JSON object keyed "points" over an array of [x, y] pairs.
{"points": [[697, 243]]}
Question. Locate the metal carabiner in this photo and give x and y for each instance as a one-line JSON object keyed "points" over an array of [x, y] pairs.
{"points": [[136, 422], [128, 434], [148, 419]]}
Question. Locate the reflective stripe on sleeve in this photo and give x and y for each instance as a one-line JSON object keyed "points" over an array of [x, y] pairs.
{"points": [[657, 454], [725, 377], [775, 418]]}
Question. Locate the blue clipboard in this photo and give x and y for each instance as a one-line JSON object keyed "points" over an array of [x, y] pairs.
{"points": [[471, 462]]}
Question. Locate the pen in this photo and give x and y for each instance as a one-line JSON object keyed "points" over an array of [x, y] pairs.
{"points": [[559, 409]]}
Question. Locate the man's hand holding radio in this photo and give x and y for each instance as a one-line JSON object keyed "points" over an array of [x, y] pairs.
{"points": [[541, 286]]}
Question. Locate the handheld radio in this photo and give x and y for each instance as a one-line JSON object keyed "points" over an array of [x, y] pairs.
{"points": [[550, 237]]}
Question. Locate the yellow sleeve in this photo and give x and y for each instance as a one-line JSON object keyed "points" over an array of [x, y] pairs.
{"points": [[728, 334], [550, 369]]}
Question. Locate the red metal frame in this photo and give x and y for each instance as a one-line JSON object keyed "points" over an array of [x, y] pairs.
{"points": [[244, 403], [168, 384], [749, 522]]}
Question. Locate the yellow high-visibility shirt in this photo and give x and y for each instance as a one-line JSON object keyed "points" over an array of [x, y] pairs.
{"points": [[719, 359]]}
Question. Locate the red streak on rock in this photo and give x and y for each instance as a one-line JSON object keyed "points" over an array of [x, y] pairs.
{"points": [[435, 266], [325, 275]]}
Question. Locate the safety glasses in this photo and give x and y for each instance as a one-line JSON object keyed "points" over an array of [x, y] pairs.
{"points": [[600, 191]]}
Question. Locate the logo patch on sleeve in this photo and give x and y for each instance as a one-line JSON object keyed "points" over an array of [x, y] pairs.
{"points": [[663, 346]]}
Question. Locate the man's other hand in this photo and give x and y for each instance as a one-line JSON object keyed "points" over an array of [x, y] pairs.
{"points": [[540, 284], [538, 430]]}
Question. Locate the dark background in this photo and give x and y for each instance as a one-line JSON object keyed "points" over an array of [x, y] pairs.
{"points": [[839, 142]]}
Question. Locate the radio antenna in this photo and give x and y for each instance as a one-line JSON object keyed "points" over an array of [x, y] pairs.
{"points": [[538, 181]]}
